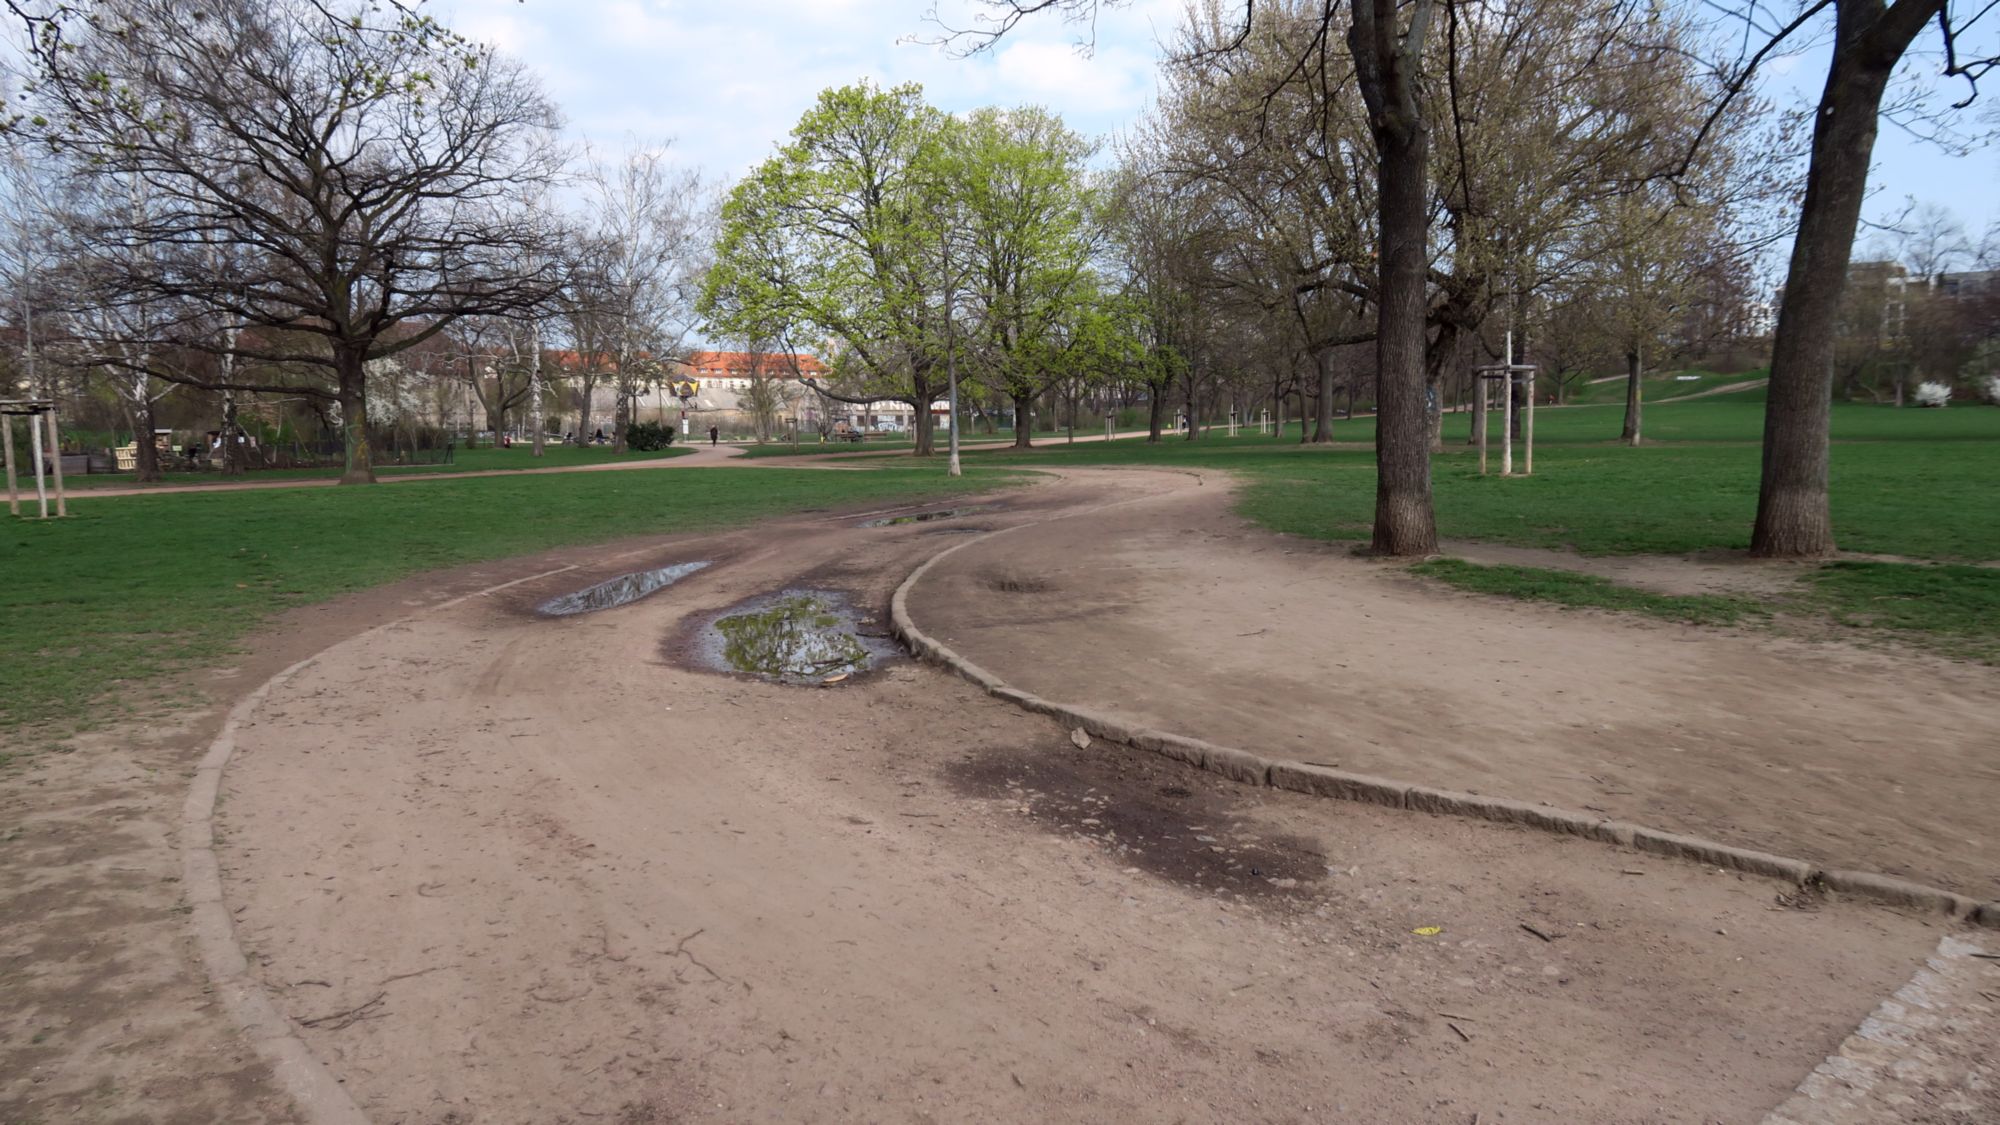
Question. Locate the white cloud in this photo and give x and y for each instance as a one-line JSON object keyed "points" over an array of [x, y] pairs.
{"points": [[1112, 79], [727, 81]]}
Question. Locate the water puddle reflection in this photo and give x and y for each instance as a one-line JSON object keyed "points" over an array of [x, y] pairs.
{"points": [[794, 636], [622, 590]]}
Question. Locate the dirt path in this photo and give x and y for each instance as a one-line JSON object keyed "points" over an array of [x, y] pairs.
{"points": [[1176, 613], [703, 457], [500, 868], [503, 868]]}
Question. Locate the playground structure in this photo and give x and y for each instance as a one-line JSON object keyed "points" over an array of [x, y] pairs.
{"points": [[1505, 372], [35, 410]]}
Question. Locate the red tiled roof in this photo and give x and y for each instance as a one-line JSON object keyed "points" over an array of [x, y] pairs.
{"points": [[740, 365]]}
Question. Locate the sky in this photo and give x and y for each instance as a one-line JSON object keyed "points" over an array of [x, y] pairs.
{"points": [[725, 80]]}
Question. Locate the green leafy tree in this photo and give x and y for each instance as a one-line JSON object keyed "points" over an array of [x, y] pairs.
{"points": [[1030, 221], [832, 238]]}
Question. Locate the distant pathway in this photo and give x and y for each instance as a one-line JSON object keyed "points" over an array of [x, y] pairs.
{"points": [[703, 457]]}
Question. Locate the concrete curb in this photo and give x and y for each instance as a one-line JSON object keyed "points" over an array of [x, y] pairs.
{"points": [[1253, 769], [321, 1099]]}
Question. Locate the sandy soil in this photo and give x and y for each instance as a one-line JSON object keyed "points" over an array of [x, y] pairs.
{"points": [[503, 868], [1174, 612]]}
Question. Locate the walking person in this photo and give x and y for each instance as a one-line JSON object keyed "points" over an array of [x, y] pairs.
{"points": [[712, 435]]}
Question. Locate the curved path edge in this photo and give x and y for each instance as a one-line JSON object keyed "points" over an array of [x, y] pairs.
{"points": [[320, 1097], [1321, 781]]}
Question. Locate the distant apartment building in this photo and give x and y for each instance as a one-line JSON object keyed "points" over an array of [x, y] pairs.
{"points": [[1879, 294], [714, 388]]}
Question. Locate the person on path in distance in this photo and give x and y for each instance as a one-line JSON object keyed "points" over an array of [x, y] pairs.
{"points": [[711, 435]]}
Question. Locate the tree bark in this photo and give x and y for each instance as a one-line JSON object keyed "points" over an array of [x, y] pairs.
{"points": [[586, 385], [232, 451], [1156, 405], [1793, 516], [1023, 411], [1323, 415], [1387, 63], [922, 434], [535, 404], [148, 463], [1633, 395], [359, 465]]}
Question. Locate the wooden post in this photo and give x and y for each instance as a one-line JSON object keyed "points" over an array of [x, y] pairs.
{"points": [[13, 484], [55, 462], [1528, 431], [41, 490], [1483, 427], [1507, 431]]}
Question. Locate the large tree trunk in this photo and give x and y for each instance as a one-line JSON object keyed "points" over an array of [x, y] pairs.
{"points": [[349, 368], [1633, 395], [585, 387], [1323, 416], [1023, 426], [1387, 62], [148, 463], [621, 416], [1631, 435], [1793, 517], [232, 448], [922, 434], [1156, 406]]}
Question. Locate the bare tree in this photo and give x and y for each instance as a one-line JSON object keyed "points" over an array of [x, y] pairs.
{"points": [[360, 172], [648, 228]]}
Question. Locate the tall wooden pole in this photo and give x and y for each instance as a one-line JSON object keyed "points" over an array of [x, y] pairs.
{"points": [[13, 483], [41, 490], [1479, 377], [1528, 431], [55, 462], [1507, 428]]}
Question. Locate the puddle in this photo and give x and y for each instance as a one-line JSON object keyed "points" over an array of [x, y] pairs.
{"points": [[1141, 810], [622, 590], [794, 637], [961, 529], [927, 517]]}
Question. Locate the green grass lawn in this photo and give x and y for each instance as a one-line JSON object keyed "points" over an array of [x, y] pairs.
{"points": [[1905, 482], [97, 608], [483, 459], [1657, 386]]}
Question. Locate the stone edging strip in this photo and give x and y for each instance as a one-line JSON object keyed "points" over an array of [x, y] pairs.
{"points": [[321, 1099], [1254, 769]]}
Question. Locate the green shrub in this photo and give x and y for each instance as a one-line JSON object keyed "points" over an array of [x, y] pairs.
{"points": [[649, 437]]}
